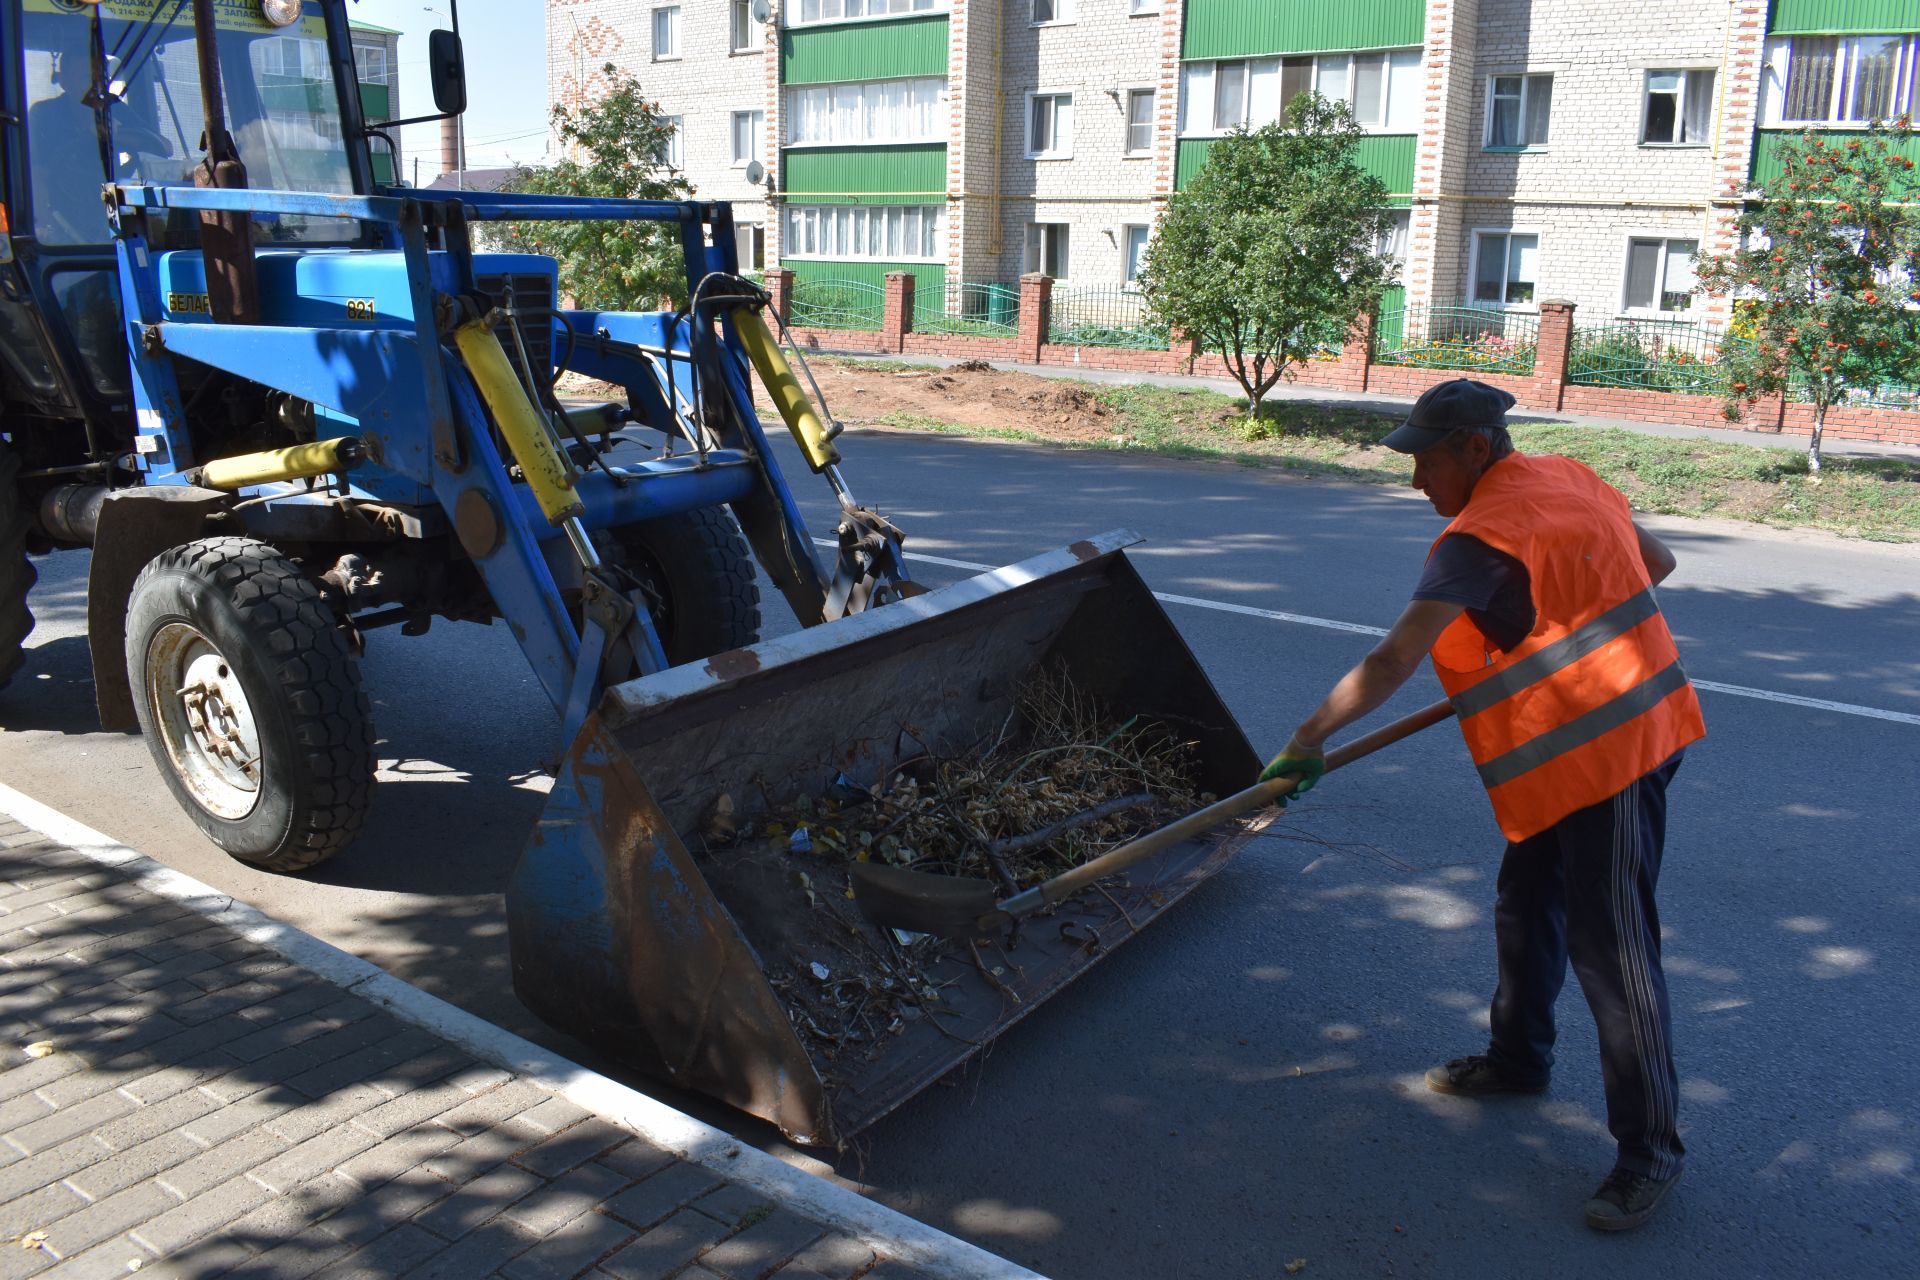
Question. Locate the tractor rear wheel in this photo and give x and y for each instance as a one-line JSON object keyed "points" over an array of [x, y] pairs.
{"points": [[698, 579], [17, 574], [250, 702]]}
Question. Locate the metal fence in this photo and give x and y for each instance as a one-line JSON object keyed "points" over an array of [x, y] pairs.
{"points": [[1104, 317], [1652, 355], [1884, 395], [836, 304], [976, 310], [1457, 336]]}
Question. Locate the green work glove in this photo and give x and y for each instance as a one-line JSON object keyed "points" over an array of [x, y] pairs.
{"points": [[1297, 762]]}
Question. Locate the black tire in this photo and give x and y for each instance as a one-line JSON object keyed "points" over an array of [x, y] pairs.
{"points": [[17, 574], [244, 618], [698, 579]]}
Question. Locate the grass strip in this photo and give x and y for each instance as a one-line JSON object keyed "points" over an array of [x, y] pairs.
{"points": [[1872, 498]]}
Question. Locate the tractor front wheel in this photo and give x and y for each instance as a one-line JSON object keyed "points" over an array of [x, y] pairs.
{"points": [[17, 574], [250, 702], [697, 576]]}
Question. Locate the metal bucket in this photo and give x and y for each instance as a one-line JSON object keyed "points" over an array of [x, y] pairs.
{"points": [[622, 938]]}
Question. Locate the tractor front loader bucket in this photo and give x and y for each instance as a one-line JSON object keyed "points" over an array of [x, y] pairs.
{"points": [[635, 927]]}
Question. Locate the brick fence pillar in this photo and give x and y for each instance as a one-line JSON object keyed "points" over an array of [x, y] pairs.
{"points": [[1185, 350], [1356, 354], [780, 286], [1551, 354], [1036, 300], [897, 320]]}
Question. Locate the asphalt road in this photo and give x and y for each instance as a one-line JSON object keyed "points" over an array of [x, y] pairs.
{"points": [[1240, 1088]]}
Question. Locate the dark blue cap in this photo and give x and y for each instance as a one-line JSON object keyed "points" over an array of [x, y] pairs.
{"points": [[1445, 409]]}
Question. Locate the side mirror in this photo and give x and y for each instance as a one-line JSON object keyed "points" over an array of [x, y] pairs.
{"points": [[449, 71]]}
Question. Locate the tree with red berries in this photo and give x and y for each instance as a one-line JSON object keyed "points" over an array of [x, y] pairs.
{"points": [[1828, 279]]}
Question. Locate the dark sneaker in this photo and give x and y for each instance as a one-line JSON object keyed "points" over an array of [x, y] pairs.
{"points": [[1475, 1075], [1626, 1199]]}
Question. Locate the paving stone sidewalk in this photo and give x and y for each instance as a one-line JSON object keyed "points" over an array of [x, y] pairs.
{"points": [[176, 1100]]}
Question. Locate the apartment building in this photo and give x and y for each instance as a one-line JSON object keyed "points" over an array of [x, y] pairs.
{"points": [[376, 63], [1532, 149]]}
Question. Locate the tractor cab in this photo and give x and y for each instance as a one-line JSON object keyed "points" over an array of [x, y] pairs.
{"points": [[112, 93]]}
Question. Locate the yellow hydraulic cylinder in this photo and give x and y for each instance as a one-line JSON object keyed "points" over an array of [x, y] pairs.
{"points": [[547, 470], [322, 457], [795, 410]]}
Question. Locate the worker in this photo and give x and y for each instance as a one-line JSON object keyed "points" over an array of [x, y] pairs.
{"points": [[1536, 606]]}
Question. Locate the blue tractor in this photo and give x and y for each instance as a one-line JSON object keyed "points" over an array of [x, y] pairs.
{"points": [[286, 407]]}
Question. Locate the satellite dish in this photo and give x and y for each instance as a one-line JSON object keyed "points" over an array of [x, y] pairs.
{"points": [[763, 11], [756, 172]]}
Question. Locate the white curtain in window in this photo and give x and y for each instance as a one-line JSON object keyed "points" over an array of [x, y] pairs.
{"points": [[1229, 95], [1523, 267], [881, 111], [1539, 109], [1698, 124], [1332, 82], [1263, 92], [1369, 88], [1505, 127], [1403, 91], [1810, 68], [1196, 103], [1874, 65], [1679, 273], [883, 232]]}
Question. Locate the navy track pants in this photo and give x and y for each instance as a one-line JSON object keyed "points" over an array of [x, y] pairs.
{"points": [[1583, 890]]}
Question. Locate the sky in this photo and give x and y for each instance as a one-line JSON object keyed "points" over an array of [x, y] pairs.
{"points": [[505, 42]]}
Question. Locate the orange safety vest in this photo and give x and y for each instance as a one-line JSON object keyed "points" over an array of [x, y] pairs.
{"points": [[1595, 697]]}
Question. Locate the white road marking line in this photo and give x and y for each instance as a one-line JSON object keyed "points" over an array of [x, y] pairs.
{"points": [[1818, 704], [1331, 624]]}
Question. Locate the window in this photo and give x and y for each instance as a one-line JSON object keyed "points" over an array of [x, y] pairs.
{"points": [[1517, 111], [747, 35], [370, 61], [1660, 275], [670, 151], [1134, 247], [1393, 241], [1505, 267], [1844, 79], [883, 111], [833, 10], [888, 233], [1047, 249], [1045, 11], [1679, 109], [666, 33], [745, 133], [1139, 122], [1050, 126], [750, 246], [1137, 7], [1383, 89]]}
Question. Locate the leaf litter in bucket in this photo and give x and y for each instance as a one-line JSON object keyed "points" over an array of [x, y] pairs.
{"points": [[1060, 782]]}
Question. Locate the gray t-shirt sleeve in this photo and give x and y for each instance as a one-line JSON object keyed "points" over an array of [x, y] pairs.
{"points": [[1495, 587]]}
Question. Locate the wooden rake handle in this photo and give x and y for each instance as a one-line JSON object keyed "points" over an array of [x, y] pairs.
{"points": [[1257, 796]]}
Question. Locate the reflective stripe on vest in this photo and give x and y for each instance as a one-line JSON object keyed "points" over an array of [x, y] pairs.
{"points": [[1582, 729], [1558, 656]]}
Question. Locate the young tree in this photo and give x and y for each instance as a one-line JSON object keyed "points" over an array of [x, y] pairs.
{"points": [[1826, 277], [615, 146], [1272, 247]]}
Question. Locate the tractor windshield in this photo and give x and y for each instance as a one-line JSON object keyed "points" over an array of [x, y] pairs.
{"points": [[282, 107]]}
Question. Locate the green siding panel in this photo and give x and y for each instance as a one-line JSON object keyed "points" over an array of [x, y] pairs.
{"points": [[375, 102], [1240, 28], [1836, 17], [928, 277], [884, 50], [1388, 156], [909, 173], [1766, 165]]}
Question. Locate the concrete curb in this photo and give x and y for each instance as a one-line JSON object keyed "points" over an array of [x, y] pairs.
{"points": [[892, 1234]]}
